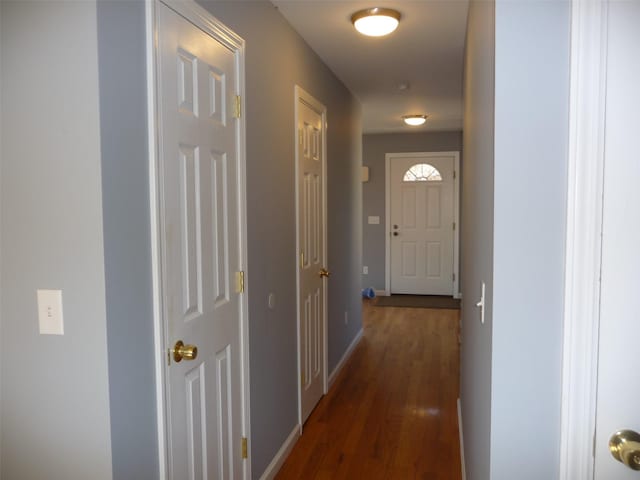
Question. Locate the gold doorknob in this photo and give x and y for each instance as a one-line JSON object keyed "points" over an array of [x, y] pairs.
{"points": [[324, 272], [184, 352], [625, 447]]}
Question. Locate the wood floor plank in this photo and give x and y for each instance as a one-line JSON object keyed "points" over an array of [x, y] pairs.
{"points": [[392, 412]]}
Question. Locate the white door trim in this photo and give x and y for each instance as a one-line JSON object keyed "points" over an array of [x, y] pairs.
{"points": [[301, 94], [209, 24], [583, 238], [456, 215]]}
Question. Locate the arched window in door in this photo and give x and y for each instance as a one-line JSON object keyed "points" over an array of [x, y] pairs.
{"points": [[422, 172]]}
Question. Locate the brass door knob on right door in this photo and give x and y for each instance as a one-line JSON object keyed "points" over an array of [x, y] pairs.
{"points": [[184, 352], [625, 447], [324, 273]]}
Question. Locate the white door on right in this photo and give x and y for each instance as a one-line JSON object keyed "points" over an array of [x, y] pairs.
{"points": [[618, 406], [421, 224]]}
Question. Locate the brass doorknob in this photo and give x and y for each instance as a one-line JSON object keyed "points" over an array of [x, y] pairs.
{"points": [[625, 447], [324, 272], [184, 352]]}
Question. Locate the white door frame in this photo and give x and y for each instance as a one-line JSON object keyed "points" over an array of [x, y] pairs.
{"points": [[301, 94], [209, 24], [456, 215], [583, 238]]}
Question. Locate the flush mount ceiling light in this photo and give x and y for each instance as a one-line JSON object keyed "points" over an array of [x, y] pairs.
{"points": [[376, 22], [414, 120]]}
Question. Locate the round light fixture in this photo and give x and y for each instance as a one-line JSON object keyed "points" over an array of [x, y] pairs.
{"points": [[414, 120], [376, 22]]}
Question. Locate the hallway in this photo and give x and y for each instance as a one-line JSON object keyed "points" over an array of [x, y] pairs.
{"points": [[391, 413]]}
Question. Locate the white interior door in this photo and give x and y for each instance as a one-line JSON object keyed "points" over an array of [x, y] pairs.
{"points": [[618, 399], [310, 166], [422, 224], [200, 245]]}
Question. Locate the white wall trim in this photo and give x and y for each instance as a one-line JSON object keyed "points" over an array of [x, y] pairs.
{"points": [[456, 214], [158, 321], [583, 241], [336, 371], [381, 293], [212, 26], [461, 439], [276, 464]]}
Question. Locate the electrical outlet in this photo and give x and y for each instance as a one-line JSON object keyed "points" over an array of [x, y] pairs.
{"points": [[365, 270], [50, 312], [346, 317]]}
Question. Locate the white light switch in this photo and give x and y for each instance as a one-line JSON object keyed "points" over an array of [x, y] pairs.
{"points": [[480, 304], [50, 312], [374, 220]]}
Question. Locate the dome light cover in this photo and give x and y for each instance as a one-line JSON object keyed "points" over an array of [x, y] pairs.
{"points": [[376, 22], [414, 120]]}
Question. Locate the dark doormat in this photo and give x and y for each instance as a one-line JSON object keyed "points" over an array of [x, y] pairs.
{"points": [[418, 301]]}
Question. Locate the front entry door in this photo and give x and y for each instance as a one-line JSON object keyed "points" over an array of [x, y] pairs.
{"points": [[200, 247], [310, 165], [421, 224], [618, 398]]}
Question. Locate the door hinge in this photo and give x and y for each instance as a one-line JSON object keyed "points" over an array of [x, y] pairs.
{"points": [[454, 225], [240, 282], [301, 260], [237, 106], [454, 174], [454, 277], [245, 448], [302, 379]]}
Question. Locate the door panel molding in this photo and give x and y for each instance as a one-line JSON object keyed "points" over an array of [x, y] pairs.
{"points": [[583, 238], [202, 19], [389, 157]]}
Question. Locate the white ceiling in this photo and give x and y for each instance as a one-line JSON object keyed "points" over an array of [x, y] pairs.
{"points": [[426, 51]]}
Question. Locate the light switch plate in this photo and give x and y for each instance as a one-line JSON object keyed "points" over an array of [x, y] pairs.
{"points": [[374, 220], [50, 312]]}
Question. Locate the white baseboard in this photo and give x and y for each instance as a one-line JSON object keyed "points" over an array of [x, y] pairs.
{"points": [[276, 464], [381, 293], [462, 462], [345, 357], [458, 295]]}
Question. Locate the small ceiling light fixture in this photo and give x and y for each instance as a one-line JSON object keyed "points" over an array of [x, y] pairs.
{"points": [[414, 120], [376, 22]]}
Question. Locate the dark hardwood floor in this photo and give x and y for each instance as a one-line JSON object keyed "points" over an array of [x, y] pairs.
{"points": [[392, 412]]}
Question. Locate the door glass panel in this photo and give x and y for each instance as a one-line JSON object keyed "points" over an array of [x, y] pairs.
{"points": [[422, 172]]}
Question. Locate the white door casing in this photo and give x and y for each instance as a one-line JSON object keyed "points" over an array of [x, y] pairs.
{"points": [[601, 391], [311, 247], [199, 241], [422, 224]]}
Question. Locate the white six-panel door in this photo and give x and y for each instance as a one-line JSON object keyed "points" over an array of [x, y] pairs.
{"points": [[200, 248], [421, 224], [618, 398], [310, 159]]}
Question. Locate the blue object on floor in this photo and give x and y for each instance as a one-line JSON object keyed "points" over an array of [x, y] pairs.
{"points": [[368, 293]]}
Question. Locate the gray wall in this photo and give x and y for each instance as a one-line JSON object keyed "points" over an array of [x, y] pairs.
{"points": [[74, 215], [477, 238], [531, 143], [516, 126], [277, 59], [374, 148], [127, 240], [55, 398]]}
